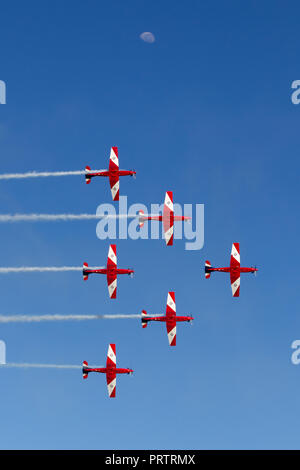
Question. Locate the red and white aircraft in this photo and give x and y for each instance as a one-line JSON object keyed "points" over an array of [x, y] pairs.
{"points": [[167, 218], [234, 269], [170, 318], [111, 370], [111, 271], [113, 173]]}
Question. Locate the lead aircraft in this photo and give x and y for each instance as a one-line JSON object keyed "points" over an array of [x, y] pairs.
{"points": [[111, 271], [111, 370], [234, 269], [113, 173], [170, 318]]}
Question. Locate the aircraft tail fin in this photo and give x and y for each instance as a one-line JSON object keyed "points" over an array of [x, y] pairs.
{"points": [[144, 322], [85, 373], [207, 269]]}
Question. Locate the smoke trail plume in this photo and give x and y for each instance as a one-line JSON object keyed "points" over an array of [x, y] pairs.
{"points": [[43, 366], [47, 318], [24, 269], [59, 217], [42, 174]]}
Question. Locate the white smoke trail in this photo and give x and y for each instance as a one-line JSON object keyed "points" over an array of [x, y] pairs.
{"points": [[43, 366], [24, 269], [52, 366], [42, 174], [59, 217], [45, 318], [117, 316]]}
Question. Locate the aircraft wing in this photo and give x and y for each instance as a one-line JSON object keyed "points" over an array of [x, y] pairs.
{"points": [[112, 276], [168, 218], [235, 260], [112, 285], [114, 178], [114, 186], [111, 360], [111, 379], [111, 376], [235, 263], [171, 330], [235, 280], [171, 318], [112, 256], [171, 304], [113, 160]]}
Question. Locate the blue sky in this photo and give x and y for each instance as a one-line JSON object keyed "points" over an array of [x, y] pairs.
{"points": [[204, 111]]}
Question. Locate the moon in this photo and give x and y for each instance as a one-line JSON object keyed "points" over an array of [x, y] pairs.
{"points": [[147, 37]]}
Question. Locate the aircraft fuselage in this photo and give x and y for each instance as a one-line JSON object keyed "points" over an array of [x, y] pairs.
{"points": [[168, 318], [108, 370], [230, 270]]}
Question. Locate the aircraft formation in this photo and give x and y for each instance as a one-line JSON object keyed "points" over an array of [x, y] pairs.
{"points": [[112, 271]]}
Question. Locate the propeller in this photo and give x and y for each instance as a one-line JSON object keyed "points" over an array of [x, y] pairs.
{"points": [[131, 275], [134, 174], [255, 272]]}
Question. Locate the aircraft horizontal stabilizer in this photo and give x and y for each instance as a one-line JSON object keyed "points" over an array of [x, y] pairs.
{"points": [[207, 270], [84, 372], [84, 273], [87, 177], [144, 323]]}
